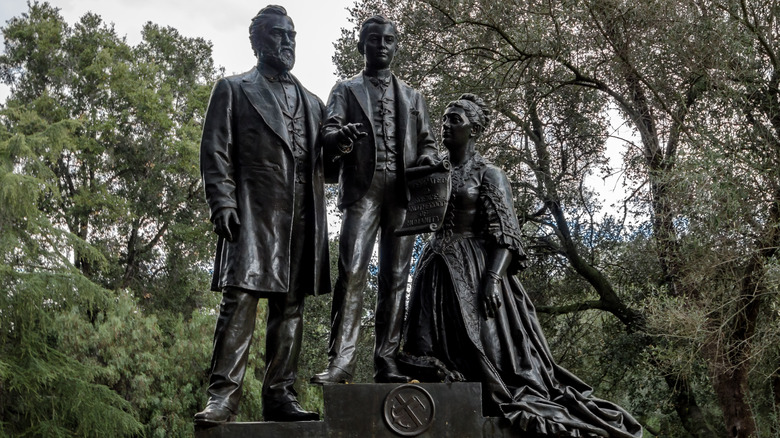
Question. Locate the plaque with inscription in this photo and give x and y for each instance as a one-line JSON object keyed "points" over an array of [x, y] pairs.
{"points": [[429, 192]]}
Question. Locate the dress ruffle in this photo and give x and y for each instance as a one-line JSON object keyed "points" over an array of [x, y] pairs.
{"points": [[501, 224]]}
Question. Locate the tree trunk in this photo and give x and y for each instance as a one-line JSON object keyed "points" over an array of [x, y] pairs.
{"points": [[732, 392], [684, 401], [683, 396], [733, 360], [776, 398]]}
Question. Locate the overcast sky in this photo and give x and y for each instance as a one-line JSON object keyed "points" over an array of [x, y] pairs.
{"points": [[223, 22]]}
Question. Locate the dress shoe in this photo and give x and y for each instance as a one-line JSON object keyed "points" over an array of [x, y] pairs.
{"points": [[213, 415], [290, 411], [331, 375], [391, 376]]}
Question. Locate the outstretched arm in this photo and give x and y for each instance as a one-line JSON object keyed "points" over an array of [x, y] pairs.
{"points": [[338, 136]]}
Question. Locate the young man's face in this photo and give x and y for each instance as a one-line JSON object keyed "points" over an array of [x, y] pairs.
{"points": [[380, 46]]}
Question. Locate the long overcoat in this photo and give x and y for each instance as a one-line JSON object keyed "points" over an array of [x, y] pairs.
{"points": [[349, 103], [247, 163]]}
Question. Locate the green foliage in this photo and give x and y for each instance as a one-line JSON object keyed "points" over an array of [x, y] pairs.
{"points": [[45, 390], [115, 137], [158, 371], [105, 318]]}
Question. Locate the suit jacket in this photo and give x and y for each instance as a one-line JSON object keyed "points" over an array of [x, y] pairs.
{"points": [[349, 103], [247, 163]]}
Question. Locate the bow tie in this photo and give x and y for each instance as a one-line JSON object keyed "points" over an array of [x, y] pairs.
{"points": [[283, 77], [379, 82]]}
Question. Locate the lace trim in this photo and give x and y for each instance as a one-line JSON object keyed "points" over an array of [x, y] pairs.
{"points": [[459, 175], [501, 224]]}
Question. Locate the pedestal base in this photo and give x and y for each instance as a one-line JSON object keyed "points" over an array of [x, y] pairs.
{"points": [[427, 410]]}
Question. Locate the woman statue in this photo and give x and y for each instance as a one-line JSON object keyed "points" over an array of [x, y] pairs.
{"points": [[469, 317]]}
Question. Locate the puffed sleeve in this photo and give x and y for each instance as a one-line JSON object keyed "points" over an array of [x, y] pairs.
{"points": [[498, 216]]}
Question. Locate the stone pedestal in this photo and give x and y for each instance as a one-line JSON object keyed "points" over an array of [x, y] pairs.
{"points": [[428, 410]]}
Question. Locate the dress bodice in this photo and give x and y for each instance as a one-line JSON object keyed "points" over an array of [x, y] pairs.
{"points": [[481, 207], [463, 207]]}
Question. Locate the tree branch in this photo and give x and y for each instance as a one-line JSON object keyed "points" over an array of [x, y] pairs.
{"points": [[571, 308]]}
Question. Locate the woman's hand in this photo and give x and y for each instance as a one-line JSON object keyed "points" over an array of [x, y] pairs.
{"points": [[491, 294]]}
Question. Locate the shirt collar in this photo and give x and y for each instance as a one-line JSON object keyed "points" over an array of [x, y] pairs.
{"points": [[379, 77], [272, 76]]}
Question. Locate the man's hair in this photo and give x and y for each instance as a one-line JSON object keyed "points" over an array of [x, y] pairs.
{"points": [[376, 19], [258, 25]]}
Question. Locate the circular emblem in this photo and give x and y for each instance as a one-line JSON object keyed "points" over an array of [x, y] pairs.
{"points": [[409, 410]]}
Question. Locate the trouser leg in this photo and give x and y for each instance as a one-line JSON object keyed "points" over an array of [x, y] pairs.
{"points": [[419, 332], [395, 253], [284, 333], [232, 337], [359, 226], [284, 329]]}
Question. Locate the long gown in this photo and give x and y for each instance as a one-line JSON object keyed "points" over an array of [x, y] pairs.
{"points": [[508, 354]]}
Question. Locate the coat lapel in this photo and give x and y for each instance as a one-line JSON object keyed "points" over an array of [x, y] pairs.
{"points": [[312, 123], [258, 92], [358, 87]]}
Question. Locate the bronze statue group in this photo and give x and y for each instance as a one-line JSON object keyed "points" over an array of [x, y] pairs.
{"points": [[267, 148]]}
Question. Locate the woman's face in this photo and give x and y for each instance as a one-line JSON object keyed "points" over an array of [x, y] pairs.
{"points": [[456, 129]]}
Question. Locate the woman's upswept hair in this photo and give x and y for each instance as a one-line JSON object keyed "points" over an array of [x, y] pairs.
{"points": [[475, 108]]}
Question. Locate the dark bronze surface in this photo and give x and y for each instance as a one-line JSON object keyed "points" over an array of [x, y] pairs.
{"points": [[357, 411], [409, 410], [429, 191], [262, 172], [376, 127]]}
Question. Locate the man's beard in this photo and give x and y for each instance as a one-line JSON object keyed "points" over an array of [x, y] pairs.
{"points": [[283, 60]]}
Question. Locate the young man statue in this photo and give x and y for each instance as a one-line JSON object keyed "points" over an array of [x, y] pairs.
{"points": [[377, 127]]}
